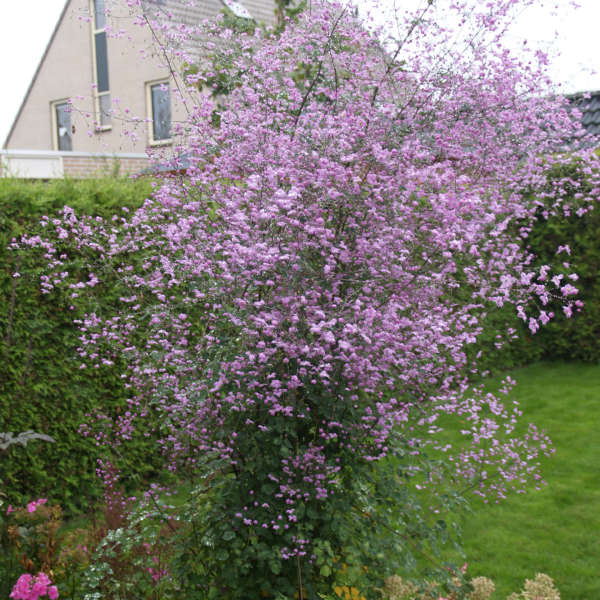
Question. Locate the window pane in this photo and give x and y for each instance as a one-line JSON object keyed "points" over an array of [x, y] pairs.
{"points": [[161, 112], [99, 14], [104, 102], [63, 126], [101, 62]]}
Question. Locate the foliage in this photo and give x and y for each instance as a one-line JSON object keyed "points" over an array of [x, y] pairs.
{"points": [[8, 556], [578, 234], [34, 543], [131, 558], [41, 385], [122, 552], [292, 319], [341, 555]]}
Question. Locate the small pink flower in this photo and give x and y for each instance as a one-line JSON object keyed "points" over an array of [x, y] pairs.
{"points": [[39, 589], [22, 588], [43, 579], [32, 506], [53, 592], [9, 509]]}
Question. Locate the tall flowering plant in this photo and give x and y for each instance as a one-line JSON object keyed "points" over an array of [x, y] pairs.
{"points": [[298, 319]]}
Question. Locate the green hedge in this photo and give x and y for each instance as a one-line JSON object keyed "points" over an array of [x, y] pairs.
{"points": [[41, 385], [576, 338]]}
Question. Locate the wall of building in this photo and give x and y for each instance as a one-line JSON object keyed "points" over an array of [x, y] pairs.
{"points": [[67, 71], [98, 166], [49, 164]]}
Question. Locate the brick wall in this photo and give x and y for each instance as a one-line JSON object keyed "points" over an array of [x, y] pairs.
{"points": [[92, 166], [50, 164]]}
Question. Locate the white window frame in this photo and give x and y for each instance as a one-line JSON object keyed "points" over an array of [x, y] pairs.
{"points": [[150, 114], [53, 106], [97, 111]]}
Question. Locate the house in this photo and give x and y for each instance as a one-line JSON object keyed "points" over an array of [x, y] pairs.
{"points": [[103, 94]]}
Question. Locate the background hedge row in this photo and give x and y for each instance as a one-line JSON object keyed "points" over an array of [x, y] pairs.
{"points": [[43, 389], [576, 338]]}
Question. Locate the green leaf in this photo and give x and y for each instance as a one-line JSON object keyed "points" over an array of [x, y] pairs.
{"points": [[275, 566], [325, 570], [221, 554]]}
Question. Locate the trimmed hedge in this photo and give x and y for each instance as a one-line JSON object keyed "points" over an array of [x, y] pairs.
{"points": [[576, 338], [41, 386]]}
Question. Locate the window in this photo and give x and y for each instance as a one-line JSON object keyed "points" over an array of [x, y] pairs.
{"points": [[61, 117], [104, 108], [99, 14], [101, 64], [159, 104]]}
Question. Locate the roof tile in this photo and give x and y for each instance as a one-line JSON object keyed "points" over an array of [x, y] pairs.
{"points": [[191, 12], [589, 106]]}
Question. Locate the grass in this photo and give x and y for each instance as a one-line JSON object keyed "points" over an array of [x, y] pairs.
{"points": [[555, 530]]}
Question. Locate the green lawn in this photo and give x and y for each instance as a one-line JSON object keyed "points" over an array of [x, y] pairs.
{"points": [[555, 530]]}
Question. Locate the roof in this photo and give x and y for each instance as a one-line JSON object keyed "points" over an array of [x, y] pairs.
{"points": [[182, 11], [191, 12], [589, 105]]}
